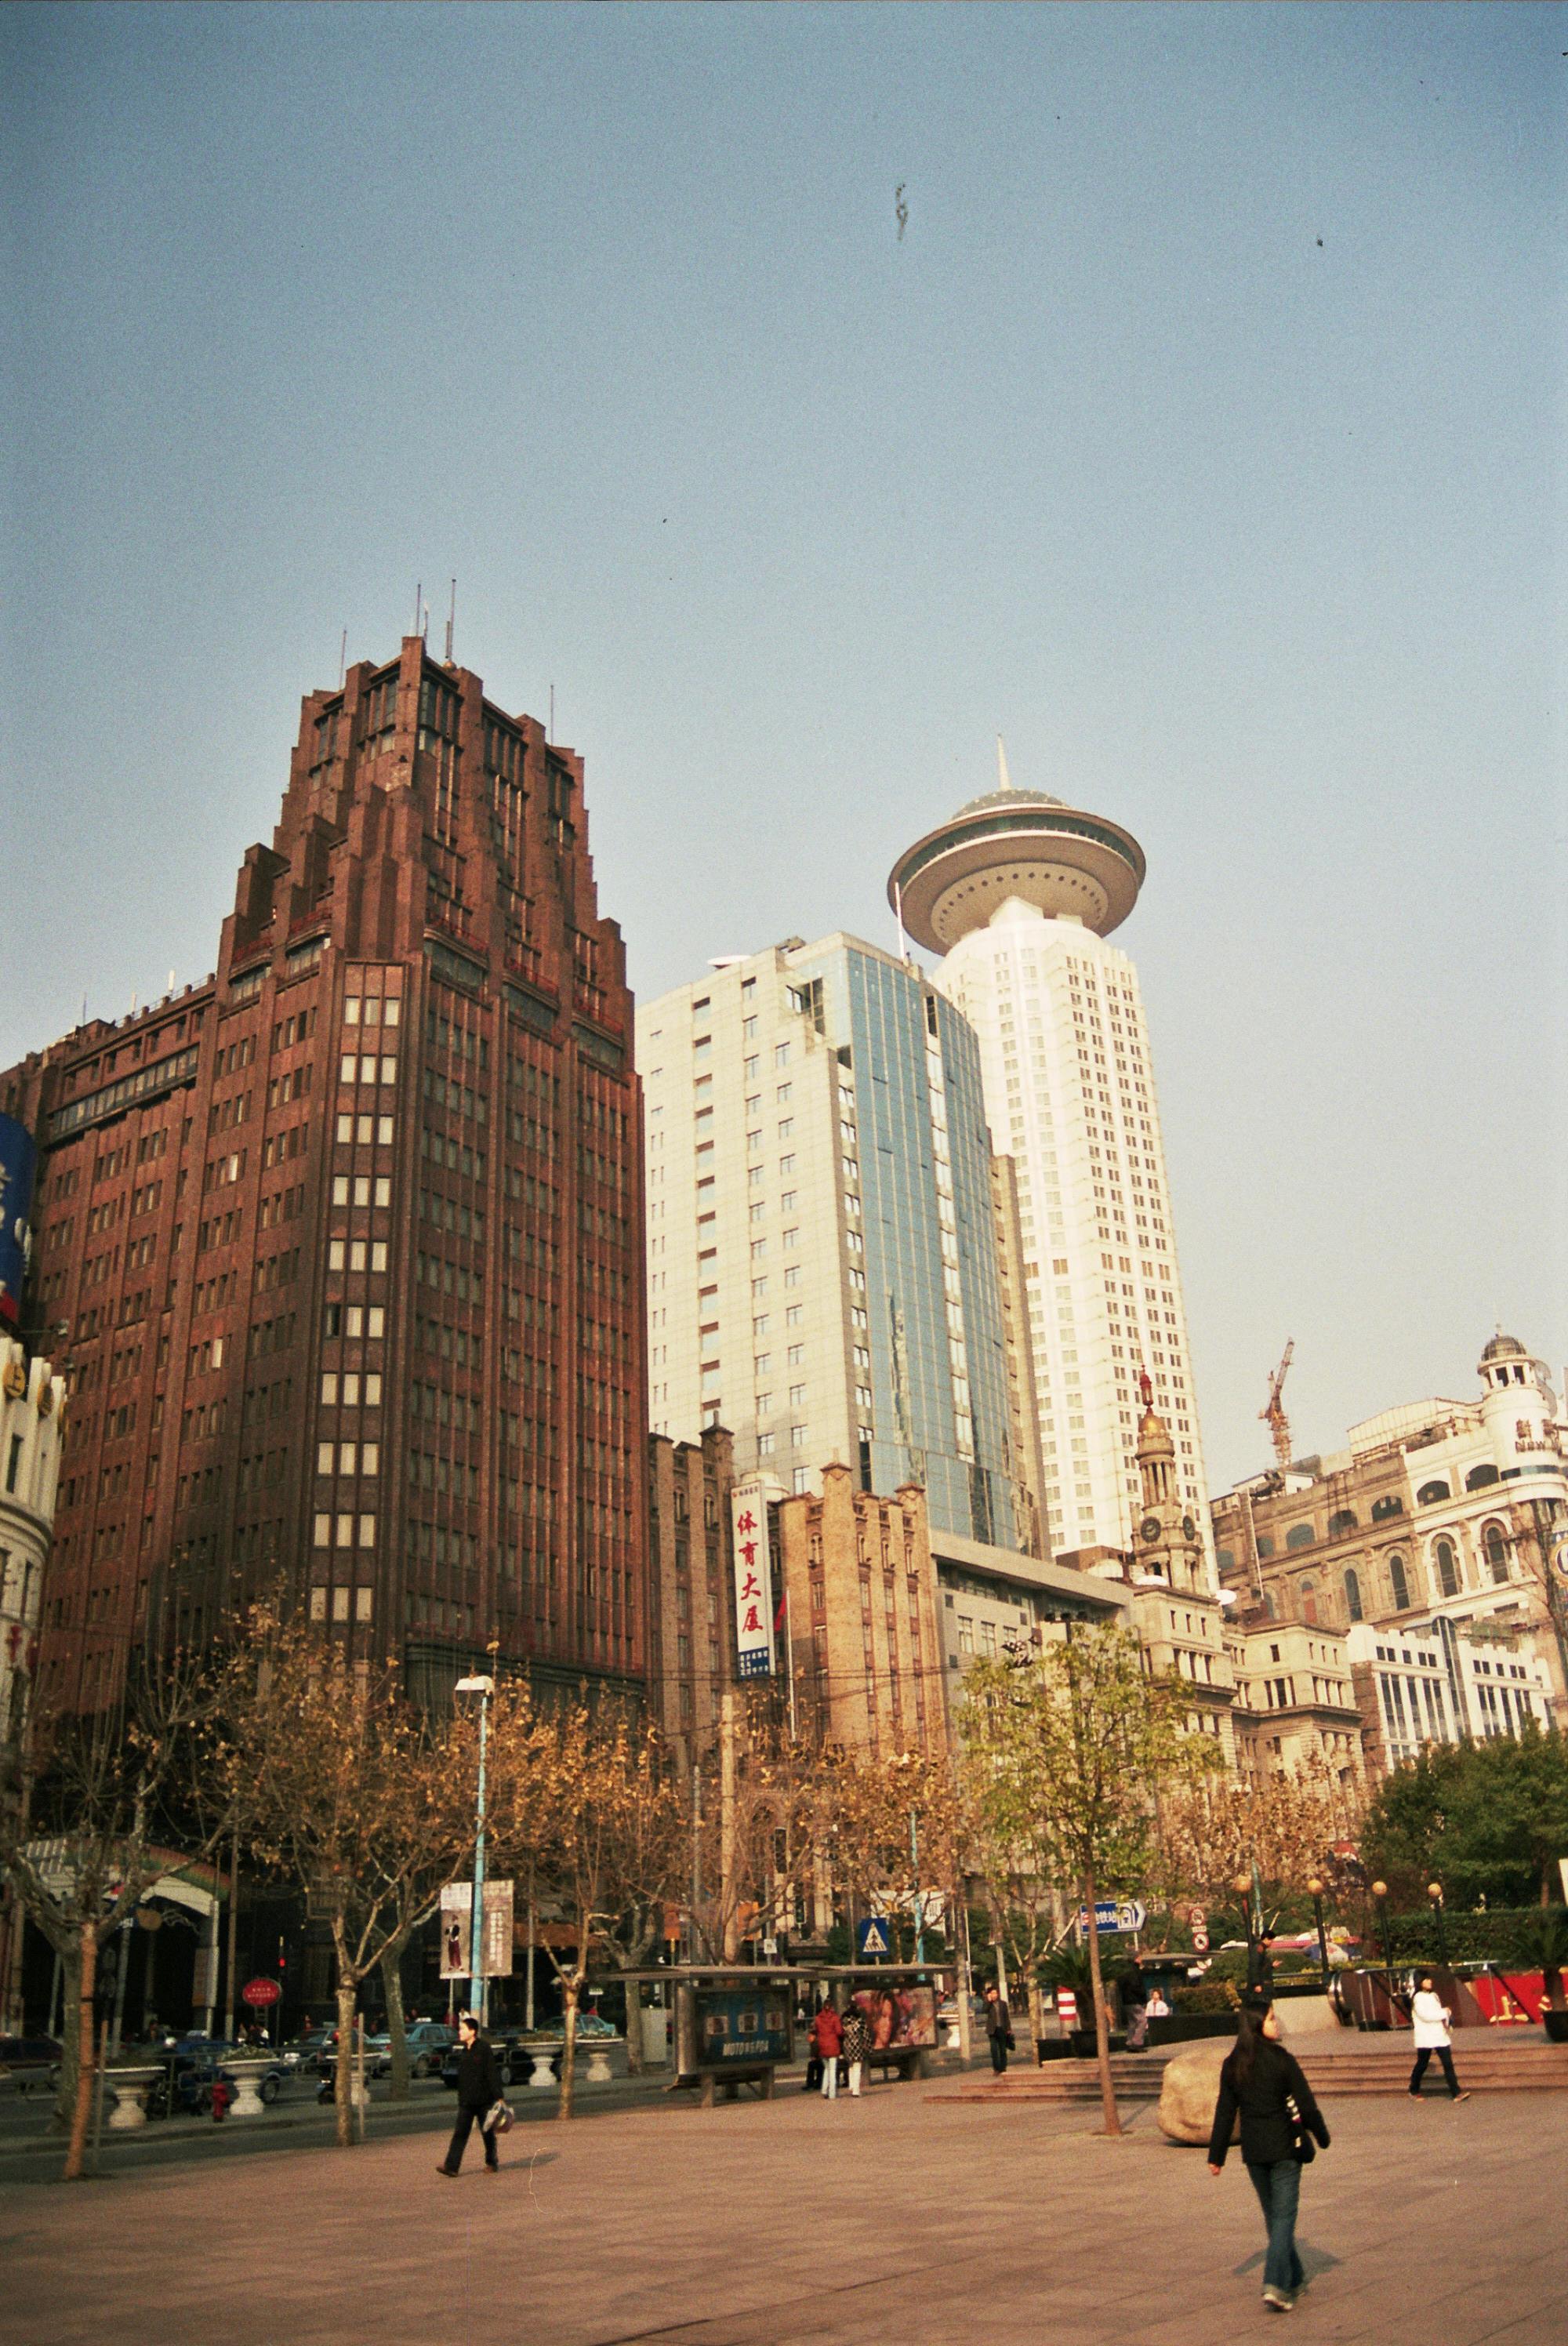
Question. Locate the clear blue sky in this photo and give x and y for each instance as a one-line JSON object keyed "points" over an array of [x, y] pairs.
{"points": [[1203, 433]]}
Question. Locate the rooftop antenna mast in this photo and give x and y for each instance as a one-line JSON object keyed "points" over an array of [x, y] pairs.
{"points": [[343, 658], [899, 916], [418, 602], [451, 622], [1003, 779]]}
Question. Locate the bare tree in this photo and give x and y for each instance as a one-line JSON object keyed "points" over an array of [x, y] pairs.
{"points": [[339, 1783], [97, 1800]]}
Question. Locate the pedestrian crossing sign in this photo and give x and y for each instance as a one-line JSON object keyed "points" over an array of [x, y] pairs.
{"points": [[873, 1938]]}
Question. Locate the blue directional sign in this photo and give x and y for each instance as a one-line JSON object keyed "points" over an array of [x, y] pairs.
{"points": [[1114, 1914], [873, 1938]]}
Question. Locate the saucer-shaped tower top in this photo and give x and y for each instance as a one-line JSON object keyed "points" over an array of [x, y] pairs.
{"points": [[1014, 842]]}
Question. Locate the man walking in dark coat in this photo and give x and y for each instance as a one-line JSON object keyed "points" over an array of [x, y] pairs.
{"points": [[998, 2027], [478, 2090]]}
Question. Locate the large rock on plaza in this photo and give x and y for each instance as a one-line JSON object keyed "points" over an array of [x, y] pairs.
{"points": [[1190, 2090]]}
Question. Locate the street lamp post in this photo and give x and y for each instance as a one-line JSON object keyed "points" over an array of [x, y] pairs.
{"points": [[1242, 1885], [1314, 1891], [1381, 1893], [918, 1902], [478, 1981], [1434, 1892]]}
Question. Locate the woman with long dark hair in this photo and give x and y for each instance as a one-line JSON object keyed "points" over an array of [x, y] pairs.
{"points": [[1263, 2083]]}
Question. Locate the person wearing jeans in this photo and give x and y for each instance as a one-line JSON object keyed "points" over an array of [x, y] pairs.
{"points": [[1429, 2018], [1263, 2084], [857, 2045], [827, 2037]]}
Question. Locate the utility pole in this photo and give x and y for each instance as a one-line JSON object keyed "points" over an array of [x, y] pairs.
{"points": [[483, 1686], [528, 1990], [233, 1940], [918, 1902], [726, 1736], [691, 1950]]}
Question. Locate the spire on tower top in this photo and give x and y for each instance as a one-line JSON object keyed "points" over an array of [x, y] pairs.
{"points": [[1003, 779]]}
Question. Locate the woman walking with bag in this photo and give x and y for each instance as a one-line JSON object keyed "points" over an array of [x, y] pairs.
{"points": [[1264, 2083], [1430, 2020]]}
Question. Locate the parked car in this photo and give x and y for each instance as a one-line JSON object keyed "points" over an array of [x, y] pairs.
{"points": [[429, 2042], [28, 2061]]}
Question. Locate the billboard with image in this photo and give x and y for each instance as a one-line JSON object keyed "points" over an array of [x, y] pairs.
{"points": [[899, 2018]]}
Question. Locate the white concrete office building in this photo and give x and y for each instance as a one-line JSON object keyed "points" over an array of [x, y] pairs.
{"points": [[821, 1251], [1018, 894]]}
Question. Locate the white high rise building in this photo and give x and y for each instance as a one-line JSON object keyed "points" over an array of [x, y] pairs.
{"points": [[821, 1250], [1019, 892]]}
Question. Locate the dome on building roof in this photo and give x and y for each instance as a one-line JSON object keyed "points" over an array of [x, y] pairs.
{"points": [[1501, 1347], [1010, 797]]}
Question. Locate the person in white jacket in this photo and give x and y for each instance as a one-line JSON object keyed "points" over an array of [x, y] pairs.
{"points": [[1430, 2018]]}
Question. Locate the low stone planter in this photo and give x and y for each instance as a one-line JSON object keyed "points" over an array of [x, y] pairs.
{"points": [[128, 2090], [595, 2051], [247, 2075], [1186, 2027]]}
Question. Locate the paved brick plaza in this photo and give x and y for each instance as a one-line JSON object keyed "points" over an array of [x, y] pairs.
{"points": [[907, 2219]]}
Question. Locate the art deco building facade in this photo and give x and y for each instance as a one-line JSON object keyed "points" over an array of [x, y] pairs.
{"points": [[691, 1608], [822, 1260], [1019, 895], [348, 1239]]}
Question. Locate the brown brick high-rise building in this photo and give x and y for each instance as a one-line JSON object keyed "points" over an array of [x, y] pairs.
{"points": [[348, 1240]]}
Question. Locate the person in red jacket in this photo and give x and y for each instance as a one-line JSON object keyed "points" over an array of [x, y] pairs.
{"points": [[827, 2038]]}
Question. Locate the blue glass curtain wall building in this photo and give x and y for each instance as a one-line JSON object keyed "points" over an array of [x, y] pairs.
{"points": [[938, 1374]]}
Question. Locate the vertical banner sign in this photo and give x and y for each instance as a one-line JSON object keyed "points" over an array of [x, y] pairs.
{"points": [[753, 1580], [500, 1928], [457, 1930], [18, 1158]]}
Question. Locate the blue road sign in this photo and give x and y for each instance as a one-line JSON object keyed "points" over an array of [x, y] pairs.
{"points": [[1114, 1914], [873, 1938]]}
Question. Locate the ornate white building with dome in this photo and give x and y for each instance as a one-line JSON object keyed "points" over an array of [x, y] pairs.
{"points": [[1436, 1540], [1019, 892]]}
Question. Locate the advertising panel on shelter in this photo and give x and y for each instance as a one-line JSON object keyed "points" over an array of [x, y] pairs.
{"points": [[899, 2018], [735, 2024]]}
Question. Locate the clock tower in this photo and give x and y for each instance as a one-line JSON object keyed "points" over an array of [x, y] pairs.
{"points": [[1176, 1607], [1167, 1540]]}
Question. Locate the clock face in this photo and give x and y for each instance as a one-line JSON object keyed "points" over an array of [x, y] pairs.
{"points": [[1151, 1527], [1188, 1527]]}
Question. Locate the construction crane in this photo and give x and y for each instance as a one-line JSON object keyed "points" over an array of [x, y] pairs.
{"points": [[1274, 1416]]}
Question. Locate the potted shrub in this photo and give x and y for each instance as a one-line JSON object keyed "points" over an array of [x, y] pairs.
{"points": [[1545, 1940], [1068, 1967]]}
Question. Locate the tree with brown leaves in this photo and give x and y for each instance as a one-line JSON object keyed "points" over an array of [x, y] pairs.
{"points": [[90, 1805], [344, 1787]]}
